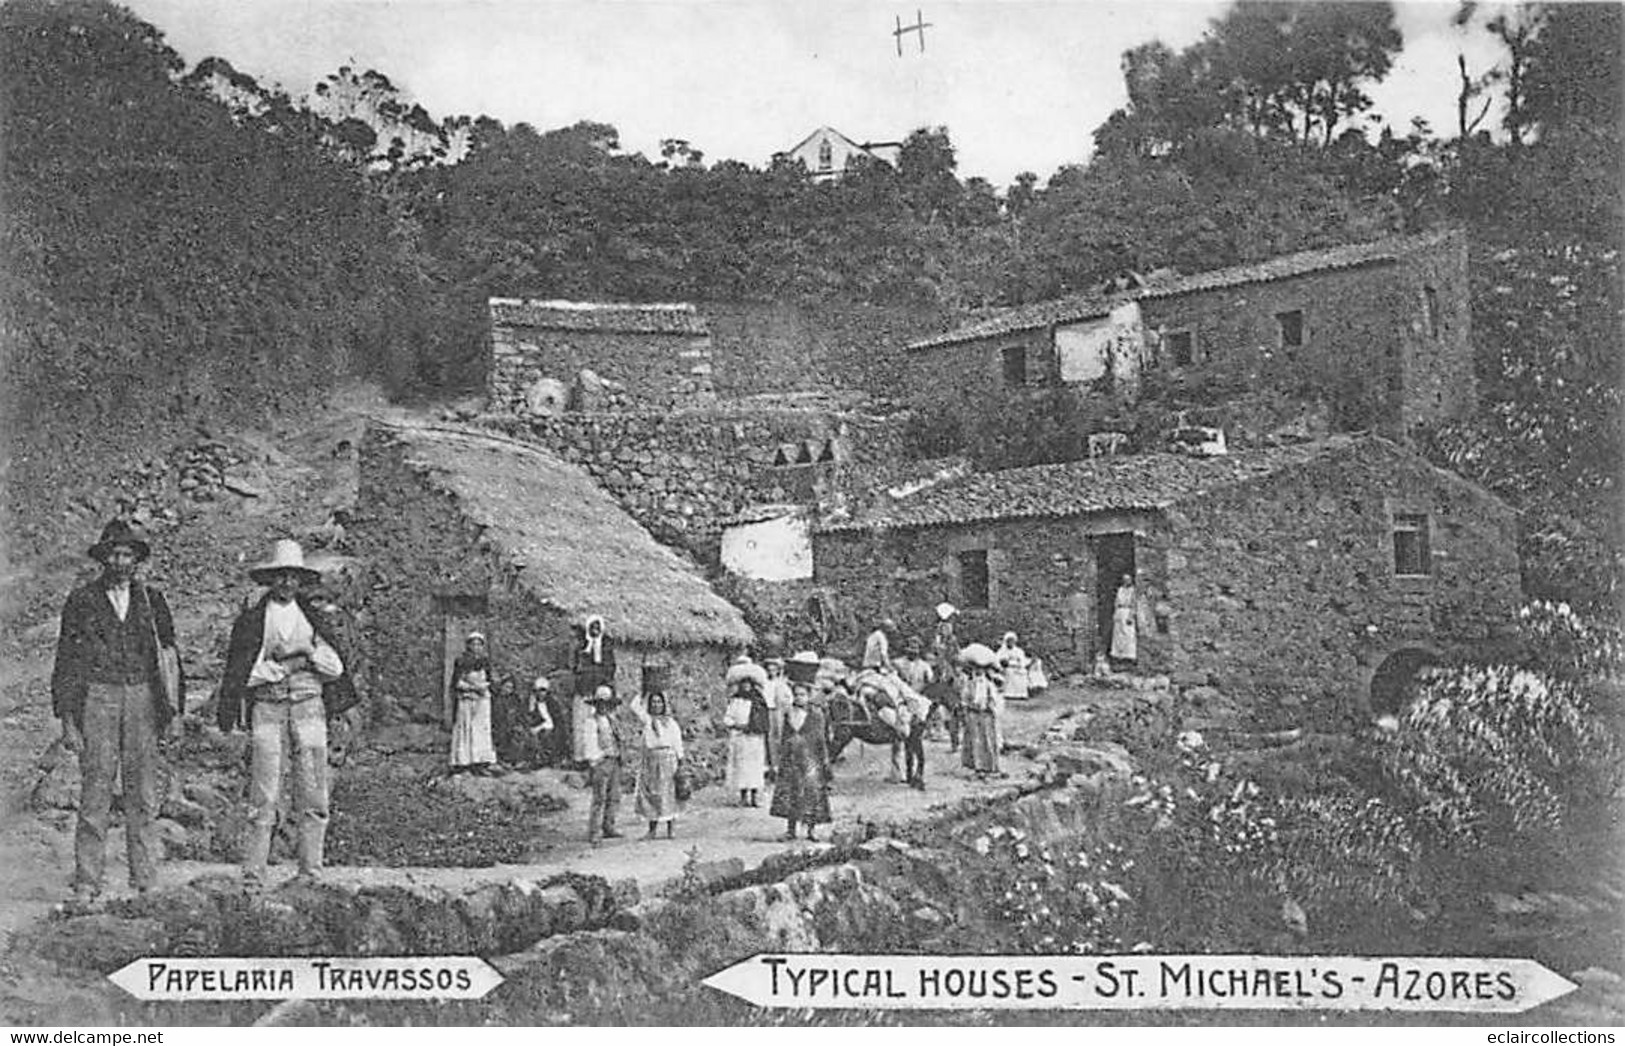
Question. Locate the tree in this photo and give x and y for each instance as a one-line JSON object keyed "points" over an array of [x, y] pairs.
{"points": [[1300, 69]]}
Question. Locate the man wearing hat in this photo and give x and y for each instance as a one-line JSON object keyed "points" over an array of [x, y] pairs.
{"points": [[282, 649], [602, 752], [106, 690]]}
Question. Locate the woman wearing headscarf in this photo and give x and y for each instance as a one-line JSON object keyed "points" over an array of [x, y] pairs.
{"points": [[1125, 633], [746, 718], [593, 665], [1013, 663], [801, 793], [979, 688], [657, 770], [471, 684]]}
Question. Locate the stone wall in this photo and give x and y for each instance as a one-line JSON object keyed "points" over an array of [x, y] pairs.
{"points": [[419, 548], [765, 347], [1282, 590], [1368, 348], [1036, 568], [683, 474], [1285, 590], [1437, 358], [1351, 335], [656, 370]]}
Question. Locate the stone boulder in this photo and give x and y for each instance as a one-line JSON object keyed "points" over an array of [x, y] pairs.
{"points": [[102, 942], [1098, 760]]}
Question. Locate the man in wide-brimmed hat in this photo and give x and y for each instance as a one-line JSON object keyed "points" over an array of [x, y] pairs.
{"points": [[283, 649], [106, 690], [603, 758]]}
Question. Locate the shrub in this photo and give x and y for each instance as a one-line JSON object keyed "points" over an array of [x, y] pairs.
{"points": [[1495, 750], [1558, 641]]}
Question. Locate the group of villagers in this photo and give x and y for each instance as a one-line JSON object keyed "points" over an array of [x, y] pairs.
{"points": [[778, 724], [967, 684], [584, 732]]}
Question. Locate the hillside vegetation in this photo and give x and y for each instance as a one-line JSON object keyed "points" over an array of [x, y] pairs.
{"points": [[186, 244]]}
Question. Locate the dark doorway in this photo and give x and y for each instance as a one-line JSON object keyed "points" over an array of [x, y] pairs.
{"points": [[1114, 557], [1394, 684], [459, 615]]}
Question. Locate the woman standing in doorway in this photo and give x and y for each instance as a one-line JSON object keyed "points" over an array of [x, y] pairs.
{"points": [[471, 683], [1125, 633]]}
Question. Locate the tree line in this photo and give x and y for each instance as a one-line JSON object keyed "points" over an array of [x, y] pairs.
{"points": [[179, 240]]}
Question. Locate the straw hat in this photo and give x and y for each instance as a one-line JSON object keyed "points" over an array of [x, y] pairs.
{"points": [[286, 555], [945, 611], [118, 532]]}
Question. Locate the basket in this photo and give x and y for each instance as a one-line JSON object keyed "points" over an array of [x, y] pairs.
{"points": [[803, 669]]}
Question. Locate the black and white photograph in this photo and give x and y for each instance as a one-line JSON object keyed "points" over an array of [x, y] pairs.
{"points": [[1035, 513]]}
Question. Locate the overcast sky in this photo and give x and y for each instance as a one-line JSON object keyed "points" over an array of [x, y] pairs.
{"points": [[1020, 84]]}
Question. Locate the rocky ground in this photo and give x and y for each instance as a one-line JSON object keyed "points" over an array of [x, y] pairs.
{"points": [[423, 862], [213, 504]]}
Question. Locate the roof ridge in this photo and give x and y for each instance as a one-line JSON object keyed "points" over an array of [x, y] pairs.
{"points": [[1081, 305]]}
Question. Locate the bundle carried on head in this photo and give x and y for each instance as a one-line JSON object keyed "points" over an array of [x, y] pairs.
{"points": [[739, 673], [978, 656], [802, 667]]}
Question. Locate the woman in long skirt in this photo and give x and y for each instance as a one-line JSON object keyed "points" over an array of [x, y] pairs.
{"points": [[1125, 648], [801, 792], [1013, 664], [980, 697], [471, 747], [746, 718], [657, 772]]}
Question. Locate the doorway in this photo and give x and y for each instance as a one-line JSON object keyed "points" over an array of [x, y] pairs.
{"points": [[1114, 557], [459, 615]]}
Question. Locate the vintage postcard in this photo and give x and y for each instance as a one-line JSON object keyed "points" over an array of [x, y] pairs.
{"points": [[774, 513]]}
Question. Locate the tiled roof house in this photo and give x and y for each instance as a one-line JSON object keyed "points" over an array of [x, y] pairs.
{"points": [[1289, 573], [1380, 328]]}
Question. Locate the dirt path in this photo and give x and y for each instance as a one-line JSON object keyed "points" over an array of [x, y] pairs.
{"points": [[712, 829]]}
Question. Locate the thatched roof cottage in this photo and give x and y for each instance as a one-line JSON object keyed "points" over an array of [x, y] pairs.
{"points": [[463, 528]]}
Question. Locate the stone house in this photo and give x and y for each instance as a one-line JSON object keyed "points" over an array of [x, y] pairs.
{"points": [[826, 152], [1290, 574], [1380, 331], [463, 528], [654, 356]]}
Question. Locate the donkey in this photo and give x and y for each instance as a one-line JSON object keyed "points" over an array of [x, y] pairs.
{"points": [[851, 719]]}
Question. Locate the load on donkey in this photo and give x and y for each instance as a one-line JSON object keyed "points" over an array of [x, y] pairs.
{"points": [[874, 706]]}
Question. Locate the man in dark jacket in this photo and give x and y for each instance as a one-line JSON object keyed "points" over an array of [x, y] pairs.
{"points": [[283, 651], [106, 690]]}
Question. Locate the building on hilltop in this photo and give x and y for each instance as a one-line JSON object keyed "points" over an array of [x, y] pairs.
{"points": [[826, 153], [1291, 575], [463, 528], [652, 356], [1379, 330]]}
